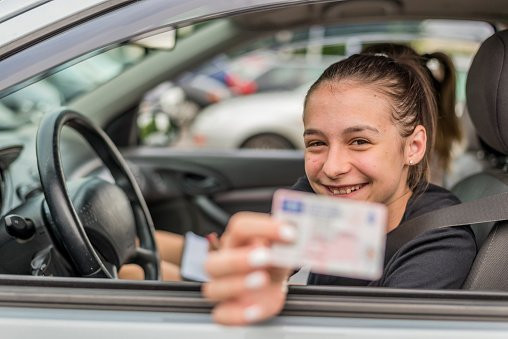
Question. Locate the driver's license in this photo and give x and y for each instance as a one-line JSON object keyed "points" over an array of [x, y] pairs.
{"points": [[335, 236]]}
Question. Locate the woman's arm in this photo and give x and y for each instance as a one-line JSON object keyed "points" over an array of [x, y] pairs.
{"points": [[170, 246]]}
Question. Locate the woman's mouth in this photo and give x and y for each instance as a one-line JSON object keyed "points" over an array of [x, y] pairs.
{"points": [[344, 190]]}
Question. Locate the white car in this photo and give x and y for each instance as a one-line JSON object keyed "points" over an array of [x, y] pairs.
{"points": [[270, 119], [264, 120]]}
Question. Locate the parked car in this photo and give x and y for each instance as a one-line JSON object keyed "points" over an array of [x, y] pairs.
{"points": [[272, 118], [203, 90], [209, 83], [60, 255], [256, 72]]}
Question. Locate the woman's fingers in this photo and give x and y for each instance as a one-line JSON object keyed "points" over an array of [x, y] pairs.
{"points": [[244, 227], [251, 307], [236, 260], [232, 286], [242, 281], [213, 241]]}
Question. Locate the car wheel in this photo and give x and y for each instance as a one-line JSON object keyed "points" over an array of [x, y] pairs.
{"points": [[267, 141]]}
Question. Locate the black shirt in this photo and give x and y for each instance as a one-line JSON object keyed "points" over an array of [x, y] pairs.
{"points": [[436, 259]]}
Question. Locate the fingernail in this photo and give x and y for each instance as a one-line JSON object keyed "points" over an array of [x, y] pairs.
{"points": [[259, 257], [255, 280], [252, 313], [287, 233]]}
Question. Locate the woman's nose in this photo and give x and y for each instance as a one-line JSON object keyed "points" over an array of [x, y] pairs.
{"points": [[336, 164]]}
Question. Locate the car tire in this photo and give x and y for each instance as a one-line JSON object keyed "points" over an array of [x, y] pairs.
{"points": [[267, 141]]}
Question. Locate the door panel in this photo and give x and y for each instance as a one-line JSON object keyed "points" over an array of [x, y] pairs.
{"points": [[198, 191], [101, 308]]}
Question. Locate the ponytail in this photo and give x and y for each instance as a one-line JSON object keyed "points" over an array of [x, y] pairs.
{"points": [[448, 127]]}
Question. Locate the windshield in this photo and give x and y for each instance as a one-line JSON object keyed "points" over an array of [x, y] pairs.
{"points": [[29, 103], [65, 83]]}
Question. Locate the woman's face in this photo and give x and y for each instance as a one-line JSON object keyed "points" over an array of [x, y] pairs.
{"points": [[352, 147]]}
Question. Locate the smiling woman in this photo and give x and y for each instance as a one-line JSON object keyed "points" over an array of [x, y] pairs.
{"points": [[343, 153], [369, 122]]}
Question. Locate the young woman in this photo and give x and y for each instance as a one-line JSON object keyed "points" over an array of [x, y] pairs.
{"points": [[369, 128]]}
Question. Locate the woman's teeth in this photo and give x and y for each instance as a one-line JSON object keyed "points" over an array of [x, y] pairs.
{"points": [[345, 190]]}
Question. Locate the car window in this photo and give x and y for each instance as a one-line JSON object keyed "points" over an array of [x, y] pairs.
{"points": [[66, 83], [60, 88], [258, 88]]}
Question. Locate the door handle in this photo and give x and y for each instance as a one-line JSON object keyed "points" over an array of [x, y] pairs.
{"points": [[212, 210], [201, 184]]}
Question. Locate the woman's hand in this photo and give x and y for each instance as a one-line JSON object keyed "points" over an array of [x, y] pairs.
{"points": [[242, 283]]}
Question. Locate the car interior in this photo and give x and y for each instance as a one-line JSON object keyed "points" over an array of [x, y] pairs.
{"points": [[66, 188]]}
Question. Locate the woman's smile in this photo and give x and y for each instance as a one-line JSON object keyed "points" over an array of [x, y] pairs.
{"points": [[345, 191]]}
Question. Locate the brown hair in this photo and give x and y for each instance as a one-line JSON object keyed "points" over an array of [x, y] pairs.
{"points": [[448, 128], [405, 82]]}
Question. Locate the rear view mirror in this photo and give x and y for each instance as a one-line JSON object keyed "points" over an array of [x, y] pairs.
{"points": [[163, 38]]}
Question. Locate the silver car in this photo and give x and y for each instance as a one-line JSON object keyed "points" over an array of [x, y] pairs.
{"points": [[72, 204]]}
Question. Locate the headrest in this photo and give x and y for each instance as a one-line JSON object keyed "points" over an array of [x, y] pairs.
{"points": [[487, 92]]}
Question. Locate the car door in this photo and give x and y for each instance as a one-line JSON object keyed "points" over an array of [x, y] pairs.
{"points": [[186, 191], [61, 308]]}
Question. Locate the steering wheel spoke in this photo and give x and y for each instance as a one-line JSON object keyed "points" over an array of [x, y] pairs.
{"points": [[148, 260]]}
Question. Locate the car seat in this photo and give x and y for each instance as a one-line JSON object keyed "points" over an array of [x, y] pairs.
{"points": [[487, 101]]}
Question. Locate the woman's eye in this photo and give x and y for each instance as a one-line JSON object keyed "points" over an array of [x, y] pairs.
{"points": [[359, 142], [314, 144]]}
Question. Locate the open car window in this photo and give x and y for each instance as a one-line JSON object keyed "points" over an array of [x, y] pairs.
{"points": [[245, 96], [285, 62], [256, 90]]}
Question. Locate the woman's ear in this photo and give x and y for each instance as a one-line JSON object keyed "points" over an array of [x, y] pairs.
{"points": [[416, 145]]}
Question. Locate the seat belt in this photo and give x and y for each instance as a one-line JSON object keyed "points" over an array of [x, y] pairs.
{"points": [[484, 210]]}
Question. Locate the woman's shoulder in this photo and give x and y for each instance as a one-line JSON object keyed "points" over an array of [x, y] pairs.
{"points": [[432, 198], [437, 258], [428, 198]]}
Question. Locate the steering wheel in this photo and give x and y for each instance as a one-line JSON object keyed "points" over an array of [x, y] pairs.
{"points": [[112, 214]]}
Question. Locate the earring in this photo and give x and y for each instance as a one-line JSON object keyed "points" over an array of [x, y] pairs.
{"points": [[410, 162]]}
